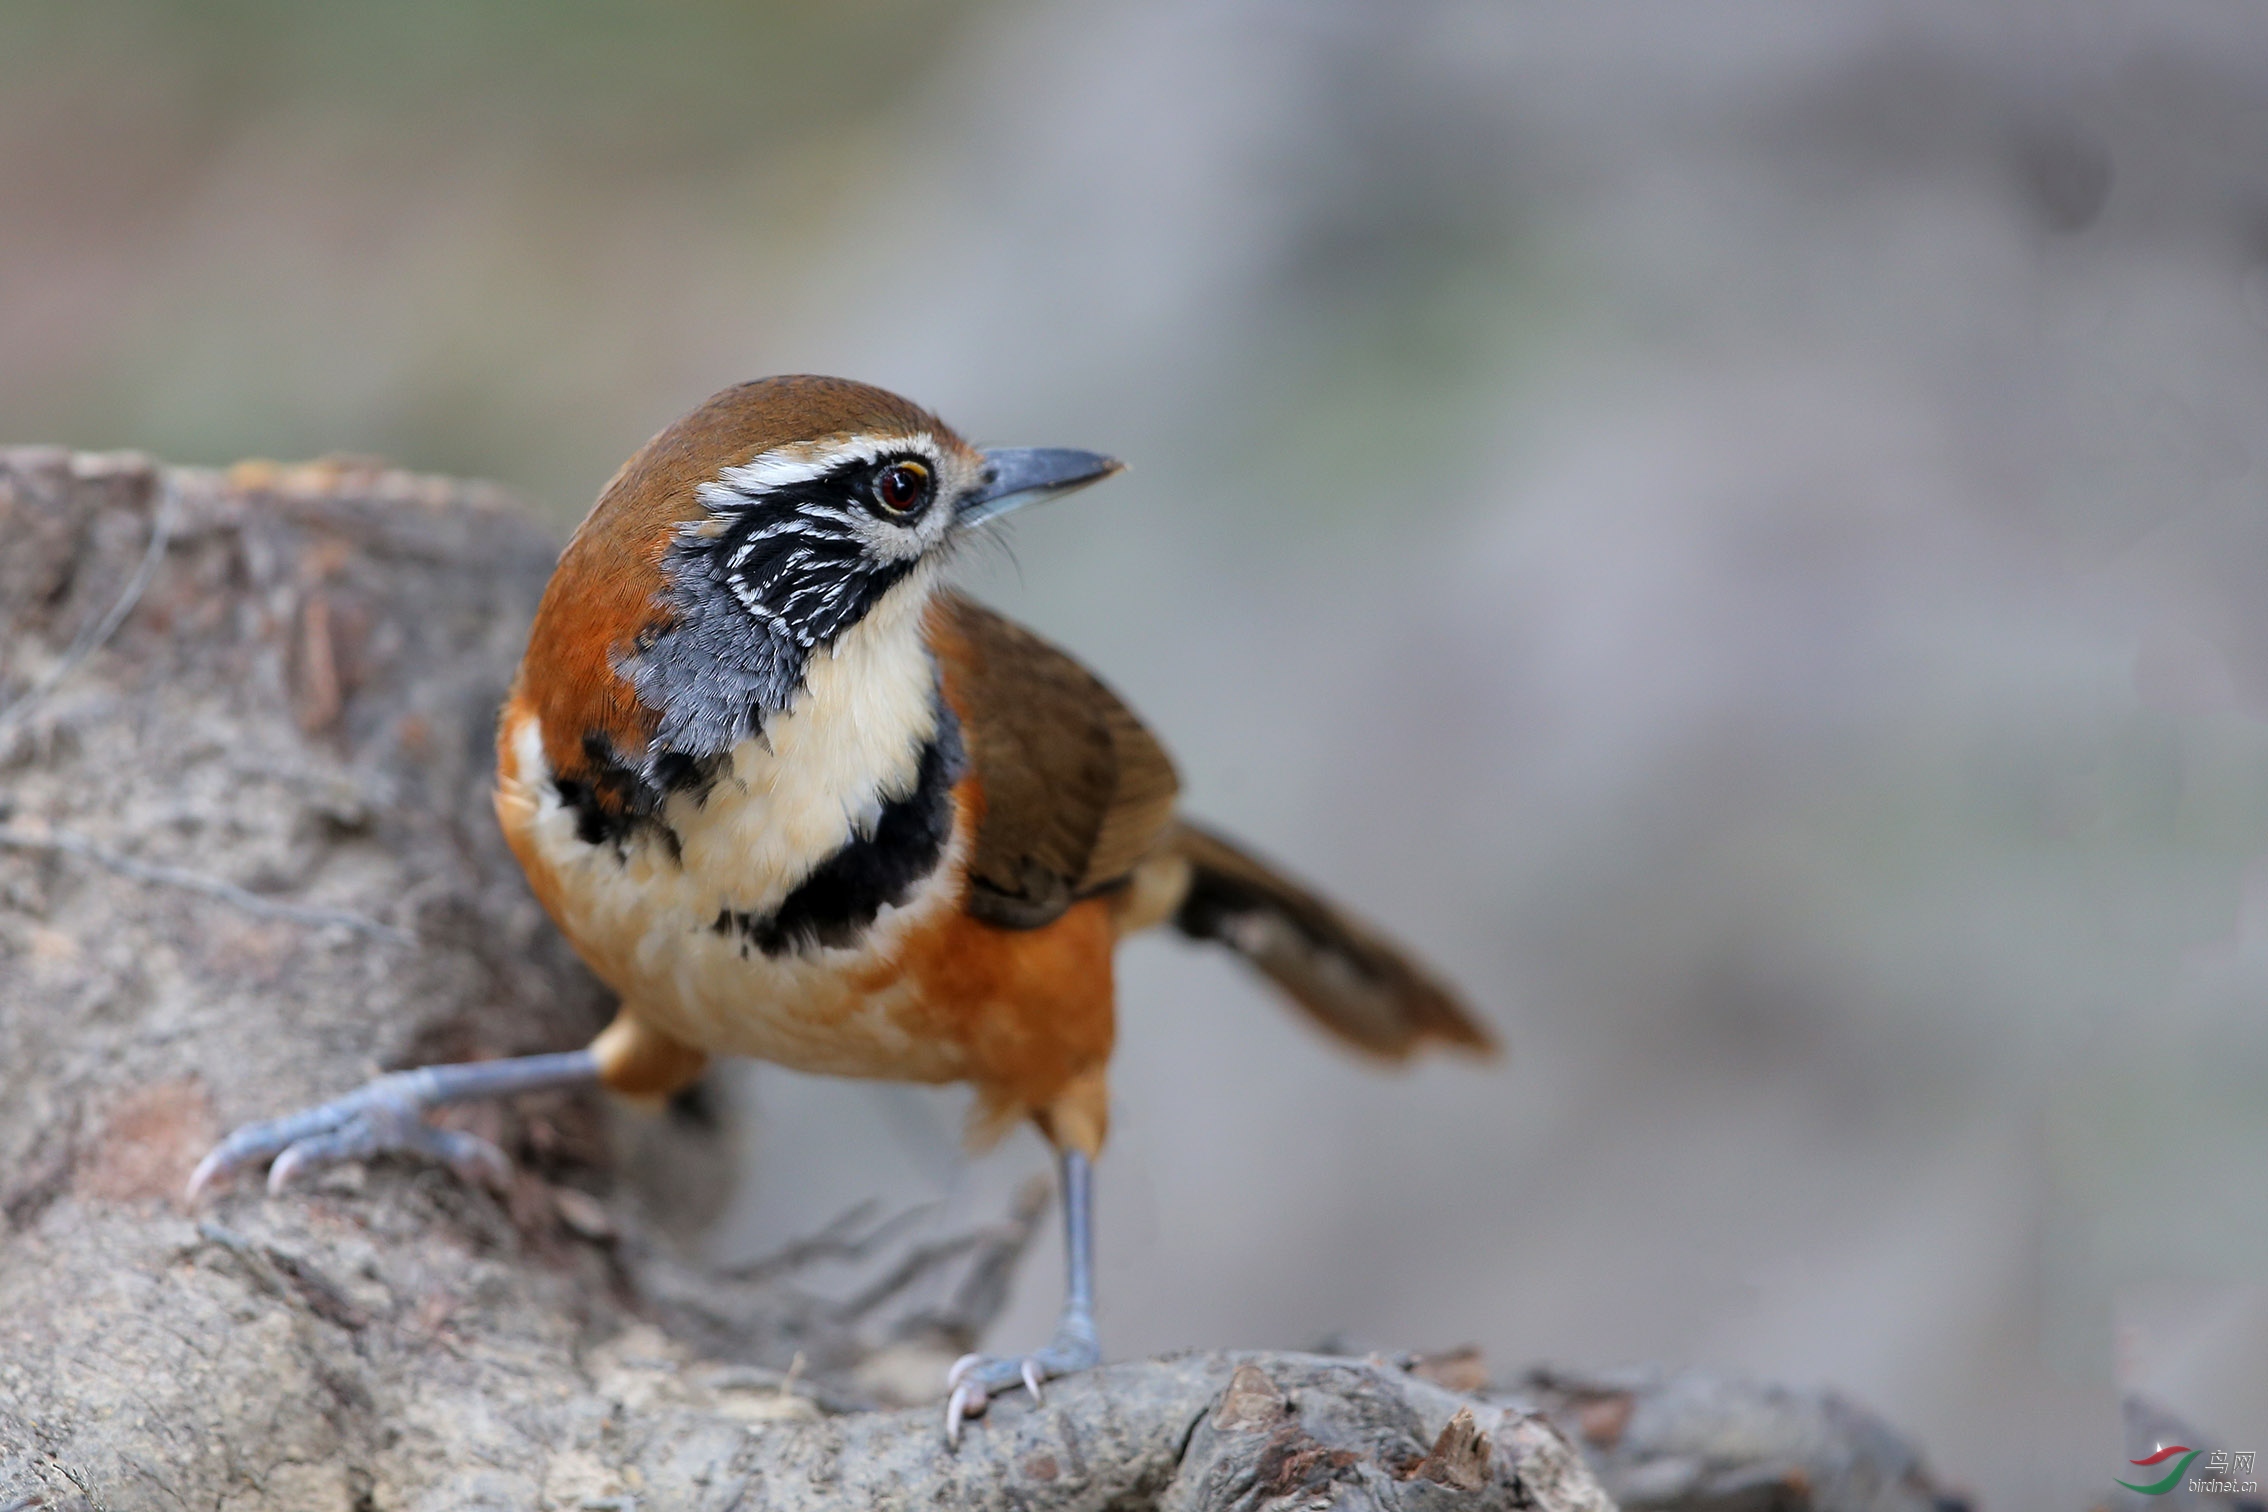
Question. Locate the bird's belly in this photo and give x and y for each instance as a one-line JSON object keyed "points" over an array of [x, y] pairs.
{"points": [[842, 1012], [665, 927]]}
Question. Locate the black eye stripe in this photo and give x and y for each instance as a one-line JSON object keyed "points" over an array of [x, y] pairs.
{"points": [[826, 503]]}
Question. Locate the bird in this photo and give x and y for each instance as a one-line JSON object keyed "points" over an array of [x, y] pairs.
{"points": [[793, 796]]}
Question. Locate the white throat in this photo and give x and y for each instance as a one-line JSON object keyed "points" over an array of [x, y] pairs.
{"points": [[819, 773]]}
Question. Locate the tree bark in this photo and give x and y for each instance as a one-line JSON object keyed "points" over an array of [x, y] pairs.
{"points": [[246, 860]]}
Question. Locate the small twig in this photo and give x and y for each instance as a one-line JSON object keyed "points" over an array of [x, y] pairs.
{"points": [[832, 1239], [90, 639], [839, 1240], [94, 1498], [64, 841], [983, 1292], [247, 1254], [911, 1267]]}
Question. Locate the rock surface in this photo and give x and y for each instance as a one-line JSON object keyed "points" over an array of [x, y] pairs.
{"points": [[246, 860]]}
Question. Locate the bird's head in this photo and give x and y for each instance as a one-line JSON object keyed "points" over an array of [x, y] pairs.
{"points": [[763, 528]]}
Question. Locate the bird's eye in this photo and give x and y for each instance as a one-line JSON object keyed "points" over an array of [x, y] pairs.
{"points": [[901, 488]]}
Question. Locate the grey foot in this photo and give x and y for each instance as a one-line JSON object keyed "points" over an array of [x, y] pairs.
{"points": [[388, 1116], [975, 1379], [385, 1116]]}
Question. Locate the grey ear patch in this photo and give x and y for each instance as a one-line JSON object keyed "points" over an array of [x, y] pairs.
{"points": [[714, 665], [711, 676], [711, 669]]}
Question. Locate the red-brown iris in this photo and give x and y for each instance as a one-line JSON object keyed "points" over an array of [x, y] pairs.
{"points": [[901, 488]]}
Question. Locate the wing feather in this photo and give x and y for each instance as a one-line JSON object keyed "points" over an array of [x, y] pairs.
{"points": [[1075, 789]]}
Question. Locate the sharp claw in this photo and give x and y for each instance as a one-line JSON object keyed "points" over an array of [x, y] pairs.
{"points": [[961, 1367], [1032, 1381], [208, 1170], [967, 1401], [476, 1161], [494, 1165], [286, 1166], [387, 1114]]}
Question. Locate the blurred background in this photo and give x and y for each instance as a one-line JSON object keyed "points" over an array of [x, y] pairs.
{"points": [[1738, 529]]}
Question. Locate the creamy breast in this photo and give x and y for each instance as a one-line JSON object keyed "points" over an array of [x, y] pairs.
{"points": [[691, 925]]}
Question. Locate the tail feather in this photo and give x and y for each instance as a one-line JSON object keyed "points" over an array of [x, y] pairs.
{"points": [[1349, 978]]}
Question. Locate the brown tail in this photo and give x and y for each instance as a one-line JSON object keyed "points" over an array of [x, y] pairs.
{"points": [[1350, 979]]}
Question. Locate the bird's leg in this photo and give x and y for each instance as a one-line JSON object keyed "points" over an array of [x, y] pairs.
{"points": [[388, 1115], [975, 1378]]}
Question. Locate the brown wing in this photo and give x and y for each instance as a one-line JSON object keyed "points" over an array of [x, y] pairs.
{"points": [[1075, 790]]}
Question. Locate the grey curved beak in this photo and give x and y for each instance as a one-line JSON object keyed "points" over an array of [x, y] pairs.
{"points": [[1018, 475]]}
